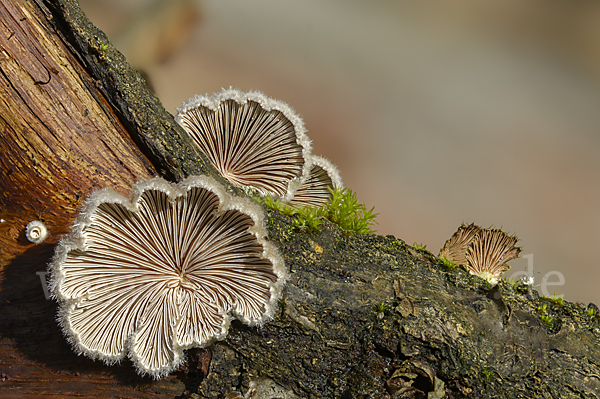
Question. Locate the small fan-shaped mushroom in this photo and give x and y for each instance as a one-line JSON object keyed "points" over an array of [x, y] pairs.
{"points": [[251, 139], [158, 273], [484, 252], [314, 191], [456, 247], [489, 252]]}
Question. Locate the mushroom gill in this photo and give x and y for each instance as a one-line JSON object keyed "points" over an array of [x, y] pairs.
{"points": [[489, 252], [484, 252], [314, 191], [251, 139], [160, 272], [456, 247]]}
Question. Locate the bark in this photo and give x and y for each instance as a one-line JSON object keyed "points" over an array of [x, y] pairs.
{"points": [[361, 316]]}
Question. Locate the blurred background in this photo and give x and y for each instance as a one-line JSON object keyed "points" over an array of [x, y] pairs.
{"points": [[435, 113]]}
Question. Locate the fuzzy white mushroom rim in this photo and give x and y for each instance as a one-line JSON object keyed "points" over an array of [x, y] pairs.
{"points": [[160, 272], [253, 140], [314, 191]]}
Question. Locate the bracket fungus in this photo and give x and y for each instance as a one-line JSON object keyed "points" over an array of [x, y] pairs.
{"points": [[253, 140], [162, 271], [484, 252]]}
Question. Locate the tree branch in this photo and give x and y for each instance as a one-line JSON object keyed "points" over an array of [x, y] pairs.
{"points": [[361, 316]]}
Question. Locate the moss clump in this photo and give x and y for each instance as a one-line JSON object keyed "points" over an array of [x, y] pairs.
{"points": [[547, 320], [419, 246], [487, 373], [542, 308], [448, 264], [343, 210], [307, 220], [351, 215], [275, 204], [557, 300], [551, 323], [380, 308], [511, 281]]}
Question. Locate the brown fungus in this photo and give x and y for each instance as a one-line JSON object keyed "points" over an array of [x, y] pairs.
{"points": [[489, 252], [253, 140], [162, 271], [456, 247], [484, 252]]}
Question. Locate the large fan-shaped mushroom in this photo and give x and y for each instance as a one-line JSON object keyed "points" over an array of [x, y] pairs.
{"points": [[251, 139], [158, 273]]}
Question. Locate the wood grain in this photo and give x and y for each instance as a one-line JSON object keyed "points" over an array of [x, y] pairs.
{"points": [[59, 141]]}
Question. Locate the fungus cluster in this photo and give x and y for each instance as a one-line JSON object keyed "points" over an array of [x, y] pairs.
{"points": [[258, 142], [484, 252], [151, 275]]}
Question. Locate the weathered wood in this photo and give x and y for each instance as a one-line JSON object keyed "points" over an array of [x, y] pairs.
{"points": [[60, 140], [151, 127], [361, 316]]}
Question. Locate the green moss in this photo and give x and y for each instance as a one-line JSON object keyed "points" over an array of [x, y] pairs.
{"points": [[558, 300], [448, 264], [307, 220], [511, 281], [547, 320], [542, 308], [275, 204], [381, 307], [343, 210], [487, 373], [351, 215], [419, 246]]}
